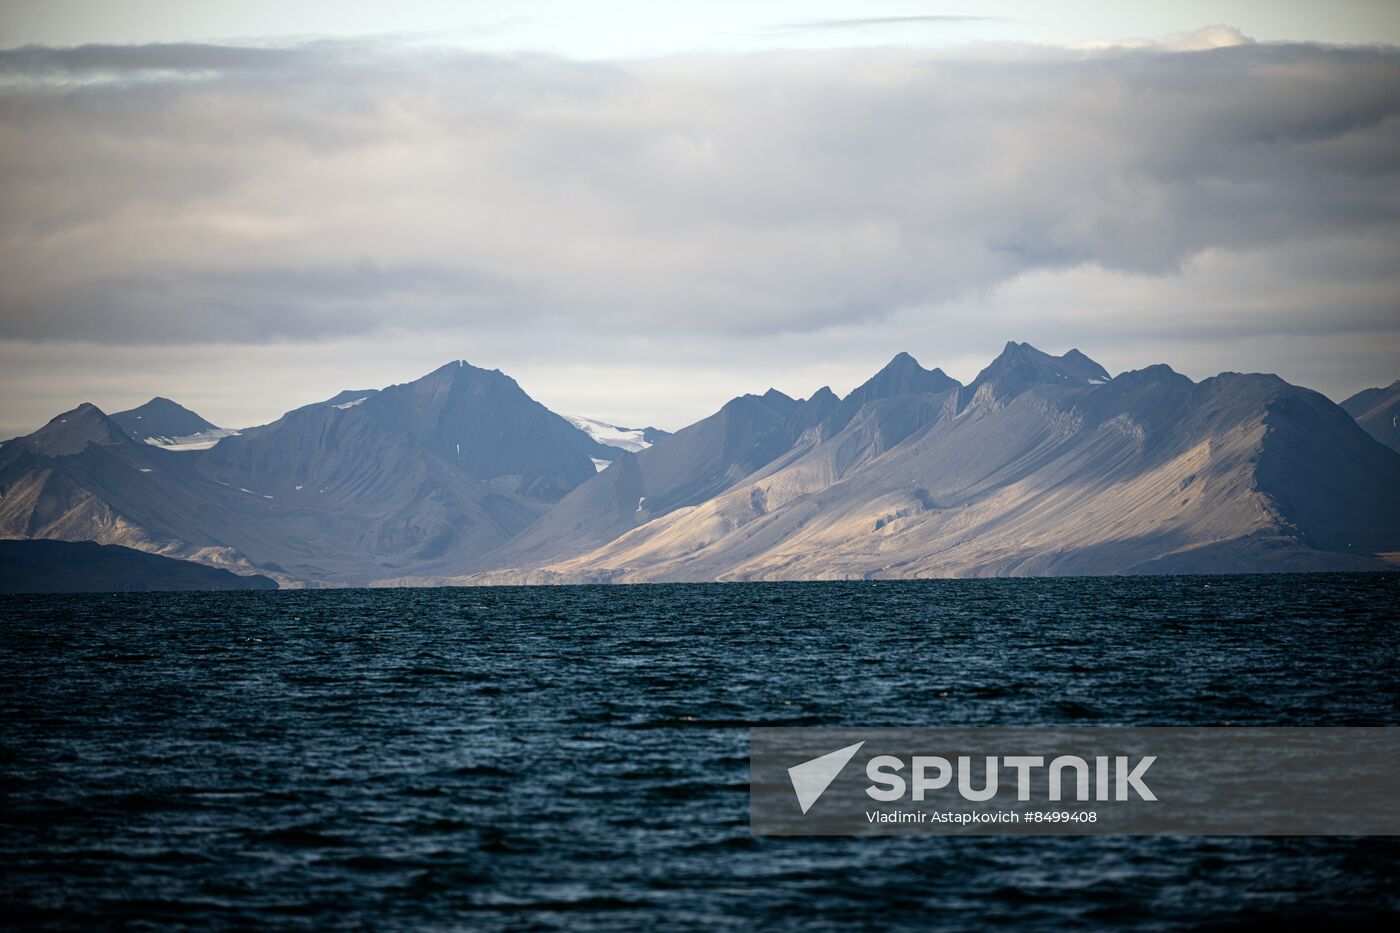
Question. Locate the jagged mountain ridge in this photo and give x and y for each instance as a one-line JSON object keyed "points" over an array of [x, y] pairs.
{"points": [[699, 462], [341, 492], [1042, 465]]}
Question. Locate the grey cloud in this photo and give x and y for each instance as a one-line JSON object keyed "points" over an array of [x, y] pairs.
{"points": [[185, 59], [197, 58], [818, 25], [248, 304], [741, 196]]}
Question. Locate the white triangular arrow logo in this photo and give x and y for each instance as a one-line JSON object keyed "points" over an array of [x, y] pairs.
{"points": [[811, 778]]}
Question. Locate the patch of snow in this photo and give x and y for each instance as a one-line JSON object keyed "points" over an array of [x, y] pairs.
{"points": [[641, 502], [610, 434], [202, 441], [267, 497], [1096, 382], [146, 470], [600, 465], [248, 491], [345, 405], [298, 489]]}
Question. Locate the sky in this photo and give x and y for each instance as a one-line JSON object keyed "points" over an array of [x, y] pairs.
{"points": [[641, 210]]}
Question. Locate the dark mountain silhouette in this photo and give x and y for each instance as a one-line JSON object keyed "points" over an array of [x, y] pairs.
{"points": [[1378, 413], [161, 418], [85, 567], [482, 421]]}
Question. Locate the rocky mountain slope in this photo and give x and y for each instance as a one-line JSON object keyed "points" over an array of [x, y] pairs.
{"points": [[429, 476], [1042, 465], [1378, 413]]}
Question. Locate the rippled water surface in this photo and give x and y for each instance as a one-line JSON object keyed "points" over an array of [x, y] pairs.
{"points": [[576, 757]]}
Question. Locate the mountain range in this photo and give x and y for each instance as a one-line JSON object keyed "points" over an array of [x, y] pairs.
{"points": [[1042, 465]]}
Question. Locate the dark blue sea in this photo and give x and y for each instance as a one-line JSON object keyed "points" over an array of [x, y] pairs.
{"points": [[576, 757]]}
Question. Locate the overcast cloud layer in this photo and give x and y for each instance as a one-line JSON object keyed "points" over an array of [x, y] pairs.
{"points": [[640, 241]]}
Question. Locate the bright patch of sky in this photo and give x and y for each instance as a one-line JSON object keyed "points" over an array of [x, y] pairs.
{"points": [[620, 29]]}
